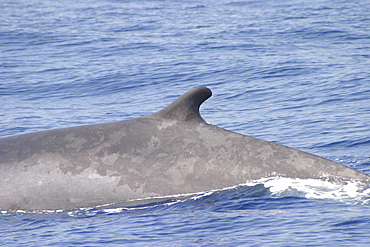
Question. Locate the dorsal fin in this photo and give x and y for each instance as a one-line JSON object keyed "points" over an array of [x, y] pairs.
{"points": [[186, 107]]}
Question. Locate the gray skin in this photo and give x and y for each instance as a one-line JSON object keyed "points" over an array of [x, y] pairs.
{"points": [[170, 152]]}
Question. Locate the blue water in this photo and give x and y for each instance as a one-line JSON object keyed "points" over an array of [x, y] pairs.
{"points": [[288, 71]]}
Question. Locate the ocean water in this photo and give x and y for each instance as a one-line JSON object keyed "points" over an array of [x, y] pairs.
{"points": [[288, 71]]}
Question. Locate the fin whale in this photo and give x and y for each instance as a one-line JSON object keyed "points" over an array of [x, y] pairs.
{"points": [[170, 152]]}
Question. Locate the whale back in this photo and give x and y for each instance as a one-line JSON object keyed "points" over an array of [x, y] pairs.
{"points": [[170, 152]]}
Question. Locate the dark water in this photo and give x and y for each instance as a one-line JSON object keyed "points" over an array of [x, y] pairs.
{"points": [[288, 71]]}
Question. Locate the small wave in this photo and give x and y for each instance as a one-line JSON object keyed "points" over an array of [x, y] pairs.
{"points": [[137, 205], [350, 192], [145, 205]]}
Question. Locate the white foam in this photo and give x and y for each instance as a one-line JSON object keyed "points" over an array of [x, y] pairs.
{"points": [[349, 191]]}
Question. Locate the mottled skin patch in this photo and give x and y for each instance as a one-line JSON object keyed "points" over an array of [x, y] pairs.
{"points": [[170, 152]]}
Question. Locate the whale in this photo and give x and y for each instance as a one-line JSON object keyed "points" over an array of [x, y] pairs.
{"points": [[171, 152]]}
